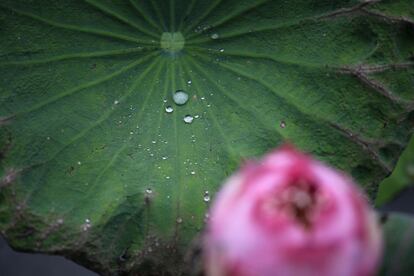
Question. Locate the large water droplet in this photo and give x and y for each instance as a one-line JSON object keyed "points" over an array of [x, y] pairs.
{"points": [[188, 119], [180, 97]]}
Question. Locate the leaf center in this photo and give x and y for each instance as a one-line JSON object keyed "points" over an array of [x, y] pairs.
{"points": [[172, 42]]}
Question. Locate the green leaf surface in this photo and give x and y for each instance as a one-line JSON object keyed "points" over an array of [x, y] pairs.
{"points": [[399, 245], [94, 168], [401, 177]]}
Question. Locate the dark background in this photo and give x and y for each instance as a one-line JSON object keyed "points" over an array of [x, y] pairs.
{"points": [[24, 264]]}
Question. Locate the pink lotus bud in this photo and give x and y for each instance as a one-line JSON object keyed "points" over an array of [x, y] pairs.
{"points": [[291, 215]]}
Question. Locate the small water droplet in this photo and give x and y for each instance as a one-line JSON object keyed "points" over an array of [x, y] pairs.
{"points": [[180, 97], [148, 191], [169, 109], [131, 132], [206, 197], [167, 177], [215, 36], [193, 172], [116, 102], [282, 124], [188, 119], [87, 220], [164, 158], [153, 141], [179, 220], [221, 50], [79, 163], [189, 82]]}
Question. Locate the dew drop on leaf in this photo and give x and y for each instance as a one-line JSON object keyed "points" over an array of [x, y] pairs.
{"points": [[169, 109], [180, 97], [214, 36], [188, 119]]}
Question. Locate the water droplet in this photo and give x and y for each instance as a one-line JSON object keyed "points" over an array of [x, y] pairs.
{"points": [[188, 119], [87, 220], [180, 97], [206, 197], [167, 177], [116, 102], [164, 158], [131, 132], [193, 172], [215, 36], [169, 109], [282, 124], [179, 220], [79, 163], [153, 141], [148, 191], [189, 82], [164, 100], [221, 50]]}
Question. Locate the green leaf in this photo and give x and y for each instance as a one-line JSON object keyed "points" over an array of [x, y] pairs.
{"points": [[94, 168], [401, 177], [399, 245]]}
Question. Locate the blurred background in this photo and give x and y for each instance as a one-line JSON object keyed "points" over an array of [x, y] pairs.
{"points": [[396, 193]]}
